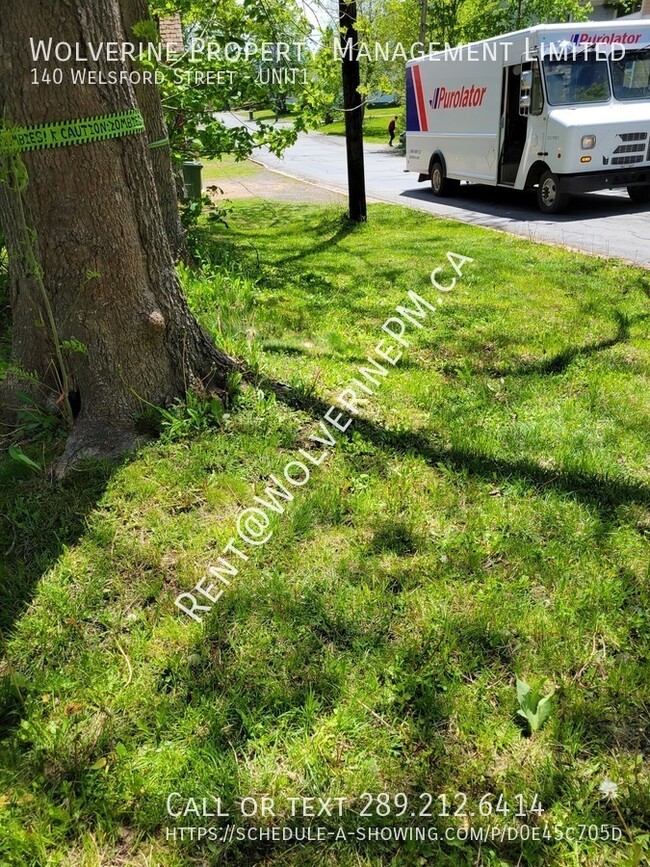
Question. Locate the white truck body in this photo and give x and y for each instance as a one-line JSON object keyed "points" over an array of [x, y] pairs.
{"points": [[566, 101]]}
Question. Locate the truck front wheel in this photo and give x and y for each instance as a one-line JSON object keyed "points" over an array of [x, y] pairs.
{"points": [[440, 184], [550, 198], [639, 195]]}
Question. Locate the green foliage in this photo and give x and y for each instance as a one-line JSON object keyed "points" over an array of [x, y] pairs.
{"points": [[323, 91], [533, 707], [623, 7], [482, 19], [190, 98], [18, 455], [35, 422], [74, 345], [146, 31], [640, 851], [191, 417], [205, 209]]}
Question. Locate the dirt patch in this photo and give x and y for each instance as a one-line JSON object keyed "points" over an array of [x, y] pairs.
{"points": [[266, 184]]}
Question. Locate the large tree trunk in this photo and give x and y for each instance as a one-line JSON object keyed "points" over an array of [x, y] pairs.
{"points": [[148, 97], [107, 268]]}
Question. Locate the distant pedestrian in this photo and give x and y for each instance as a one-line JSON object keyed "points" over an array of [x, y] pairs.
{"points": [[391, 130]]}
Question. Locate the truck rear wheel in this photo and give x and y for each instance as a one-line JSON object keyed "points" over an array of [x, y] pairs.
{"points": [[639, 195], [550, 198], [441, 185]]}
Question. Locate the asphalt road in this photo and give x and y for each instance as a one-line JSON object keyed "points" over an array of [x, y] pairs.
{"points": [[607, 224]]}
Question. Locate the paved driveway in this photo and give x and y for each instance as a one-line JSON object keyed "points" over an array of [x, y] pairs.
{"points": [[607, 223]]}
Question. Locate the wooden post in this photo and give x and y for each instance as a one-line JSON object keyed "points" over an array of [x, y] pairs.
{"points": [[352, 103]]}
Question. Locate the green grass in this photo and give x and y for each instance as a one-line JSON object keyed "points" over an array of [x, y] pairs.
{"points": [[375, 125], [268, 114], [227, 169], [487, 518]]}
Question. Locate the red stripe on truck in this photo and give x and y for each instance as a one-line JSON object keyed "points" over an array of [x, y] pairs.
{"points": [[419, 95]]}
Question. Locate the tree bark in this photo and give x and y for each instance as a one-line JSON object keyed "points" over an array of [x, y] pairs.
{"points": [[148, 97], [108, 271]]}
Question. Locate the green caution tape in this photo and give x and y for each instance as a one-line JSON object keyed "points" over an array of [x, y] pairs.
{"points": [[71, 132], [160, 143]]}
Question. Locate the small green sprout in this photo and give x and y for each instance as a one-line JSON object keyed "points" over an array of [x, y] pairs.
{"points": [[534, 708]]}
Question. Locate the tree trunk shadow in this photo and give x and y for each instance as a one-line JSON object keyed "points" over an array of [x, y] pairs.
{"points": [[601, 493], [38, 519]]}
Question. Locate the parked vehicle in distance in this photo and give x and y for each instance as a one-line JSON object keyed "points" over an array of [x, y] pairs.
{"points": [[561, 108]]}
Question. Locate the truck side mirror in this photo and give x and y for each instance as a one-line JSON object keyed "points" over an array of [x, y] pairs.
{"points": [[525, 90]]}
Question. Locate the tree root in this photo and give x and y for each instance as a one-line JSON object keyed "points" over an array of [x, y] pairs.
{"points": [[92, 441]]}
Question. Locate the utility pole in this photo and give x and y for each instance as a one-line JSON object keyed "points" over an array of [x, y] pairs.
{"points": [[352, 104]]}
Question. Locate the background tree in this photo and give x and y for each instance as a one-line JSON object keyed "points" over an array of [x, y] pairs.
{"points": [[323, 91], [191, 107], [623, 7], [481, 19], [138, 25]]}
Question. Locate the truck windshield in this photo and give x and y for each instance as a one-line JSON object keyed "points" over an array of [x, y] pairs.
{"points": [[578, 80], [631, 75]]}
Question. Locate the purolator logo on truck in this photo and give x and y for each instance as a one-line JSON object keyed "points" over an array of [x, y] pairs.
{"points": [[465, 97], [622, 38]]}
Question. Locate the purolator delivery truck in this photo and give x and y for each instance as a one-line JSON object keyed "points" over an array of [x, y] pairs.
{"points": [[564, 108]]}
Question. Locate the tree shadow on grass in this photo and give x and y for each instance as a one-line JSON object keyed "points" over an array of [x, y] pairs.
{"points": [[38, 519], [326, 233], [559, 362], [284, 347], [603, 494], [342, 227]]}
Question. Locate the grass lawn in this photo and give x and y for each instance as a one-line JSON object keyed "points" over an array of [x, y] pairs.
{"points": [[227, 168], [375, 125], [485, 518], [269, 114]]}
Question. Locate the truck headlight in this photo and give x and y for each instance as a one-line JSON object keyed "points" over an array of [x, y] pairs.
{"points": [[588, 142]]}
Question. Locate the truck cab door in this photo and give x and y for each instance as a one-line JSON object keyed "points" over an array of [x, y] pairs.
{"points": [[532, 106], [514, 121]]}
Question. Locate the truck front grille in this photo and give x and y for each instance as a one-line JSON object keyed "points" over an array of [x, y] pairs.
{"points": [[635, 150], [628, 161], [630, 149]]}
